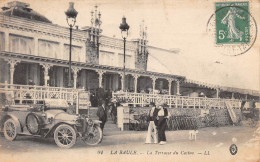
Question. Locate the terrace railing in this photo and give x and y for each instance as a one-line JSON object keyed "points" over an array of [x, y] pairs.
{"points": [[35, 94], [143, 99]]}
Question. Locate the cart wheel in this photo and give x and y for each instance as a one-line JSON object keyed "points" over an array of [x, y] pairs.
{"points": [[10, 130], [65, 136]]}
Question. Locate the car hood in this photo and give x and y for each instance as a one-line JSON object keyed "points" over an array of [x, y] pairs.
{"points": [[60, 115]]}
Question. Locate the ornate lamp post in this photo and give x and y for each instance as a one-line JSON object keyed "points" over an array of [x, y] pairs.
{"points": [[124, 27], [71, 15]]}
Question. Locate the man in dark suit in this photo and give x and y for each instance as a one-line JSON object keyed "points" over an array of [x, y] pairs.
{"points": [[102, 114]]}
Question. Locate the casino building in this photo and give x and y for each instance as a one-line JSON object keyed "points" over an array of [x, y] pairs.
{"points": [[34, 52]]}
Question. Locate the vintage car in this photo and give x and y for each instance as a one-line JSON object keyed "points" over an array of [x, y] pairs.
{"points": [[54, 119]]}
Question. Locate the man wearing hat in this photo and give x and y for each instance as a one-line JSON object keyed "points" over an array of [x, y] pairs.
{"points": [[102, 114], [161, 121], [113, 112]]}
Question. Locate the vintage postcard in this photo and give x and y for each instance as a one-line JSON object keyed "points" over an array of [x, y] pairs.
{"points": [[139, 80]]}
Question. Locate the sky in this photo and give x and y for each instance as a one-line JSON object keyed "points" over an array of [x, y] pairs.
{"points": [[172, 24]]}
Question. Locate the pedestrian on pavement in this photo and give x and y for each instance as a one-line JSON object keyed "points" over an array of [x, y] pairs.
{"points": [[102, 114], [113, 112], [162, 117], [152, 134]]}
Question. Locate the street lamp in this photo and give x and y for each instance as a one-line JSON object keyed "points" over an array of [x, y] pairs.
{"points": [[124, 27], [71, 14]]}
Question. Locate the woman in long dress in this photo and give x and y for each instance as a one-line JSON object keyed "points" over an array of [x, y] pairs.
{"points": [[229, 19], [152, 134]]}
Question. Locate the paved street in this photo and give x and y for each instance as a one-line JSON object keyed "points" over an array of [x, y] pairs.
{"points": [[211, 143]]}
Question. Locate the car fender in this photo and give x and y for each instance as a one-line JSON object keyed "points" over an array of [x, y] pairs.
{"points": [[16, 120], [52, 129]]}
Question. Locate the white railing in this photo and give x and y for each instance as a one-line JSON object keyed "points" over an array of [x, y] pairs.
{"points": [[143, 99], [39, 93]]}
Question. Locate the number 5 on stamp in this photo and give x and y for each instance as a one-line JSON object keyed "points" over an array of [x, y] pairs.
{"points": [[232, 22]]}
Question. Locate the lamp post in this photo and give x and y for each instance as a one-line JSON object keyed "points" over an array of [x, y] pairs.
{"points": [[71, 15], [124, 27]]}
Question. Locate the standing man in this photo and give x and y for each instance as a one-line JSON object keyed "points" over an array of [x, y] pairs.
{"points": [[113, 112], [102, 114], [162, 116]]}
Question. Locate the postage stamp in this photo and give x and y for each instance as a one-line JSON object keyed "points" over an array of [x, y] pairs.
{"points": [[232, 27], [232, 22]]}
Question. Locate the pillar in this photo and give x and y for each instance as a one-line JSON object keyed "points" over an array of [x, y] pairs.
{"points": [[170, 85], [122, 80], [154, 78], [12, 64], [75, 75], [178, 87], [100, 77], [46, 73], [136, 81]]}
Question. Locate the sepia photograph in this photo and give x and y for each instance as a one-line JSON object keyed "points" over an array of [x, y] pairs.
{"points": [[129, 80]]}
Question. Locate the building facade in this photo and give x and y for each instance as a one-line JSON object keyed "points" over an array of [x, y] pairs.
{"points": [[36, 51]]}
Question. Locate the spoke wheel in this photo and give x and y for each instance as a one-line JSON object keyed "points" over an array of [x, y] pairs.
{"points": [[10, 130], [93, 136], [65, 136]]}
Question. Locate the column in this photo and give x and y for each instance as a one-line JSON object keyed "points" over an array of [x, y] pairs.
{"points": [[12, 64], [170, 85], [100, 77], [136, 81], [75, 75], [178, 87], [154, 78], [122, 80], [46, 72]]}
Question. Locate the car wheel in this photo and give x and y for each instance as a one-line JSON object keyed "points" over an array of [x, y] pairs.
{"points": [[65, 136], [10, 130], [93, 136]]}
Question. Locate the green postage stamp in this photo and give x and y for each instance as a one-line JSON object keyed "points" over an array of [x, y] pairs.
{"points": [[232, 22]]}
